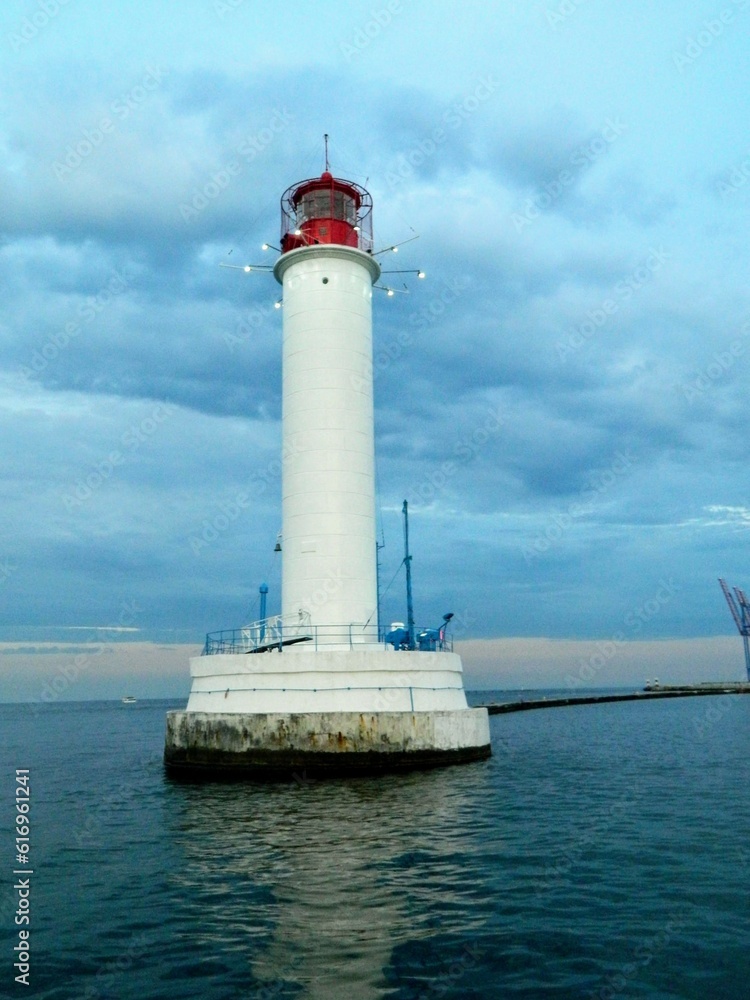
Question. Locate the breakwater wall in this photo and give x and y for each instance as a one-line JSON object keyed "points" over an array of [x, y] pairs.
{"points": [[667, 691]]}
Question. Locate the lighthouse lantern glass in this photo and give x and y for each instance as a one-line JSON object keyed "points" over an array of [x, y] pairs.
{"points": [[327, 205]]}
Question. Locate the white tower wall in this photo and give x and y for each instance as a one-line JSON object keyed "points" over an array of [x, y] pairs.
{"points": [[328, 534]]}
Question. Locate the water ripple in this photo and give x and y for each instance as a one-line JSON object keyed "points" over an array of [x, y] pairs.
{"points": [[601, 852]]}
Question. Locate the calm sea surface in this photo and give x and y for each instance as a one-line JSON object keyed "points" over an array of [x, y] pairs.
{"points": [[603, 851]]}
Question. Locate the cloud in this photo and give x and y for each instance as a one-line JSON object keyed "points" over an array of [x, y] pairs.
{"points": [[561, 400]]}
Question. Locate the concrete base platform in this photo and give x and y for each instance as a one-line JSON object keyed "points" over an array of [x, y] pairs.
{"points": [[301, 681], [215, 745]]}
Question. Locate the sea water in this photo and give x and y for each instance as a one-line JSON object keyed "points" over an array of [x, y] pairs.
{"points": [[603, 851]]}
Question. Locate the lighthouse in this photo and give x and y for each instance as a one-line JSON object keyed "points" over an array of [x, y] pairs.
{"points": [[321, 687], [327, 270]]}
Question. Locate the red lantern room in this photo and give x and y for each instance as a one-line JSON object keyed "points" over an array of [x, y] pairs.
{"points": [[326, 209]]}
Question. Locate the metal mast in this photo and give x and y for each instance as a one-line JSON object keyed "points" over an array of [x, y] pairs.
{"points": [[407, 563], [378, 547], [263, 610], [740, 609]]}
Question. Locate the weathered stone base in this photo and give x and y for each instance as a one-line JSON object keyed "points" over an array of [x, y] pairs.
{"points": [[278, 746]]}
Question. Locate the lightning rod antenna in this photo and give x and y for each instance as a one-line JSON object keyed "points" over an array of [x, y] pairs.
{"points": [[325, 139]]}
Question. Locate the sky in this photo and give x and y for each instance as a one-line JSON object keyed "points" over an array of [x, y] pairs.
{"points": [[562, 401]]}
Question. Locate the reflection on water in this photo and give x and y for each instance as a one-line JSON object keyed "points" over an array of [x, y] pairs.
{"points": [[320, 883]]}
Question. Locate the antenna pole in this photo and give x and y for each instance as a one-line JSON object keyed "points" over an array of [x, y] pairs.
{"points": [[378, 547], [325, 139], [407, 562], [263, 599]]}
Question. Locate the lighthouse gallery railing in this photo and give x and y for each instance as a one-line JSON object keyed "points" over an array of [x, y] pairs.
{"points": [[287, 630]]}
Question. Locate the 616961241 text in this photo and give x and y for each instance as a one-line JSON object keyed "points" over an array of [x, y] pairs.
{"points": [[22, 885]]}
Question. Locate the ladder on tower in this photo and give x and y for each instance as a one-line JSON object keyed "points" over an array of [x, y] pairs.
{"points": [[740, 608]]}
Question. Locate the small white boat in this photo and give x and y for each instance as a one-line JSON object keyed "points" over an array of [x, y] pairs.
{"points": [[128, 700]]}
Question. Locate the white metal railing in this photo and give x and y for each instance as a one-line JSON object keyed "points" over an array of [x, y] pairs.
{"points": [[287, 630], [274, 631]]}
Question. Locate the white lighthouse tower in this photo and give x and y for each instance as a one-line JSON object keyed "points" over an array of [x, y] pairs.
{"points": [[327, 271], [318, 687]]}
